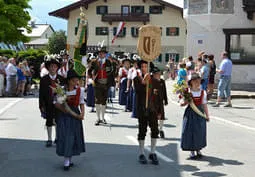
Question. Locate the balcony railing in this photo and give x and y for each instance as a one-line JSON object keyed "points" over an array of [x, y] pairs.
{"points": [[131, 17]]}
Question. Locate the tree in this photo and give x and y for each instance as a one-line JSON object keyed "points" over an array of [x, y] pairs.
{"points": [[13, 17], [57, 42]]}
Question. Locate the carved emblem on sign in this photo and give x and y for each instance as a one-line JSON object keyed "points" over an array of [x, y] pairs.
{"points": [[149, 42]]}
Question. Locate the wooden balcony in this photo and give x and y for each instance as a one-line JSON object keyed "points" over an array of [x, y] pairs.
{"points": [[132, 17], [249, 7]]}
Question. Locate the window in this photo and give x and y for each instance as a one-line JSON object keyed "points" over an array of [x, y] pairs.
{"points": [[134, 31], [101, 10], [121, 34], [172, 31], [174, 56], [125, 10], [240, 45], [156, 9], [101, 30], [137, 9]]}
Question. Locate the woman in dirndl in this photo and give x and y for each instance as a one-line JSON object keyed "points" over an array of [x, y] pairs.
{"points": [[70, 137], [90, 91], [193, 137], [123, 72]]}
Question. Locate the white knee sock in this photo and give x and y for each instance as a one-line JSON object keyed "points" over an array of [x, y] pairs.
{"points": [[49, 132], [98, 110], [141, 146], [66, 161], [103, 110], [161, 123], [153, 145]]}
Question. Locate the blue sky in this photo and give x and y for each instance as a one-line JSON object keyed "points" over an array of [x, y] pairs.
{"points": [[41, 8]]}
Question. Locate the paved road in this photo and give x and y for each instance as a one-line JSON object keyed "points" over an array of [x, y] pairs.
{"points": [[112, 149]]}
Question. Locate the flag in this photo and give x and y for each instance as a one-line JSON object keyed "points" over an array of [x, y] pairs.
{"points": [[120, 27]]}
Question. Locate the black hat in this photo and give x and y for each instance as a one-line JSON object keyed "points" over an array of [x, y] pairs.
{"points": [[51, 59], [140, 62], [155, 70], [72, 74], [193, 76], [102, 49]]}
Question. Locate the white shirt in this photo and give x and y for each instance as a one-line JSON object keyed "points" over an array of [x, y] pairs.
{"points": [[10, 70], [53, 77], [198, 94], [44, 72], [121, 70]]}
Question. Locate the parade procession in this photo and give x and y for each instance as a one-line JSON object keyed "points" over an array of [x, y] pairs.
{"points": [[143, 93]]}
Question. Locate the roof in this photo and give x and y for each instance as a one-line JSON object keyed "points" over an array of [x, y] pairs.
{"points": [[40, 41], [37, 30], [64, 12]]}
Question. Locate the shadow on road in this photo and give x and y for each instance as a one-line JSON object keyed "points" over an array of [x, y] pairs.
{"points": [[215, 161]]}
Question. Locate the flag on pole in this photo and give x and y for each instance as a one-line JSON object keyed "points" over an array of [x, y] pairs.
{"points": [[119, 29]]}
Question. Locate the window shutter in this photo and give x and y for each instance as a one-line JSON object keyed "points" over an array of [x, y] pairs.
{"points": [[177, 31], [76, 30], [167, 31], [167, 57], [160, 58], [177, 57], [78, 22], [133, 31], [114, 31], [98, 9], [124, 32], [106, 10]]}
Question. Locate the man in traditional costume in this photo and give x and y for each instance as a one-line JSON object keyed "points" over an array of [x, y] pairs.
{"points": [[48, 110], [101, 69], [147, 115]]}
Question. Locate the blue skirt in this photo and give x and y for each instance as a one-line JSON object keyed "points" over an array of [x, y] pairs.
{"points": [[90, 96], [134, 108], [130, 99], [123, 93], [70, 138], [193, 131]]}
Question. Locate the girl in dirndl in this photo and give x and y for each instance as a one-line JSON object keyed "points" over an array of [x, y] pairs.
{"points": [[70, 137], [193, 137]]}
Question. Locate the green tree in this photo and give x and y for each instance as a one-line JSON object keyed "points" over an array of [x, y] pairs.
{"points": [[13, 17], [57, 42]]}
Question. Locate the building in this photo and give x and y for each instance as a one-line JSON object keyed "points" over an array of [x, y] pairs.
{"points": [[217, 25], [39, 35], [104, 17]]}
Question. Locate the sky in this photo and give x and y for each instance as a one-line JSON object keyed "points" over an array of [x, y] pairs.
{"points": [[41, 8]]}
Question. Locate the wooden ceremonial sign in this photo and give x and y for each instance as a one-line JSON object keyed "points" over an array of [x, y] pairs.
{"points": [[149, 47]]}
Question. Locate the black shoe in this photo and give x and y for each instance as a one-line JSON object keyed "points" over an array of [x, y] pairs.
{"points": [[71, 164], [111, 100], [104, 121], [66, 168], [55, 142], [142, 159], [48, 143], [162, 134], [97, 122], [153, 158]]}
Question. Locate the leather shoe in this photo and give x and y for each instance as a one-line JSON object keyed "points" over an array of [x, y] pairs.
{"points": [[142, 159], [66, 168], [153, 158], [48, 143]]}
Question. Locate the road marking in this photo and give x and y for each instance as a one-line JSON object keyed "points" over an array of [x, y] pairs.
{"points": [[160, 155], [224, 120], [232, 123], [8, 106]]}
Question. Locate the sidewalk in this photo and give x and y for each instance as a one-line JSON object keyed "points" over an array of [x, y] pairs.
{"points": [[235, 94]]}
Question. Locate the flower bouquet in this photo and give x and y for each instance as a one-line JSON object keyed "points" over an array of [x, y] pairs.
{"points": [[61, 98], [184, 93]]}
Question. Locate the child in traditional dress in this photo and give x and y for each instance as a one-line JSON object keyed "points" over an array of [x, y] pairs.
{"points": [[70, 130], [194, 124], [162, 100]]}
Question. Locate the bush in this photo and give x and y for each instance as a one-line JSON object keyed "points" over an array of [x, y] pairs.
{"points": [[7, 53]]}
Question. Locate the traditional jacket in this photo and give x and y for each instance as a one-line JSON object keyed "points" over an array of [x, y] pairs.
{"points": [[46, 94], [101, 71]]}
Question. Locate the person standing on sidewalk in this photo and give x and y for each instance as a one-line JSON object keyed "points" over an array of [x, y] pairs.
{"points": [[46, 95], [224, 86], [11, 77]]}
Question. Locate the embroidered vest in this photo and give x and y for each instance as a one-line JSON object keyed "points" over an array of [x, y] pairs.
{"points": [[198, 100], [74, 100], [102, 74]]}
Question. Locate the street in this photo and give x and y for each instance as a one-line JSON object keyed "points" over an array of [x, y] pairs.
{"points": [[112, 151]]}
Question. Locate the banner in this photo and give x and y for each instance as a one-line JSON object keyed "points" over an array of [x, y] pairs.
{"points": [[120, 28]]}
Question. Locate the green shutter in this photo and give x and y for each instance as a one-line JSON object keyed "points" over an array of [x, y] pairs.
{"points": [[114, 31], [98, 7], [167, 31], [124, 32], [160, 58], [133, 31], [76, 30], [177, 57], [78, 22], [177, 31], [167, 57]]}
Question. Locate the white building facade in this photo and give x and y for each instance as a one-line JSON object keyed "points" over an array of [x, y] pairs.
{"points": [[217, 25], [104, 17]]}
